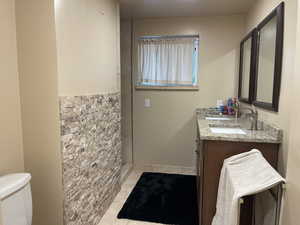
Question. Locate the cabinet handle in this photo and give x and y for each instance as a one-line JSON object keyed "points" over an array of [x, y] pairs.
{"points": [[197, 152], [197, 141]]}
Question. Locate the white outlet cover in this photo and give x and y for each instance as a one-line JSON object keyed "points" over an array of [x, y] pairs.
{"points": [[147, 103]]}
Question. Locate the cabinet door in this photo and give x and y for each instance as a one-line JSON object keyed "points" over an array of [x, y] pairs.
{"points": [[200, 171], [198, 163], [197, 142]]}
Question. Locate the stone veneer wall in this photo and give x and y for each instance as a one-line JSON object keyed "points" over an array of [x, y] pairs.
{"points": [[91, 150]]}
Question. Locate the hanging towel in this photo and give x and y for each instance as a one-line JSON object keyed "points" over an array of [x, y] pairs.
{"points": [[265, 208], [1, 218], [244, 174]]}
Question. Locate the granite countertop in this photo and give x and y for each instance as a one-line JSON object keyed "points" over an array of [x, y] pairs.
{"points": [[266, 133]]}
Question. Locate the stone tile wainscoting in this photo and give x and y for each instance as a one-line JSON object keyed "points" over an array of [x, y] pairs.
{"points": [[91, 155]]}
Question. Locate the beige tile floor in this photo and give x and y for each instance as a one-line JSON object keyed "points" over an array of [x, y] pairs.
{"points": [[110, 217]]}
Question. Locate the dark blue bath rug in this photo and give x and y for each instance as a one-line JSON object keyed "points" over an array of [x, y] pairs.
{"points": [[163, 198]]}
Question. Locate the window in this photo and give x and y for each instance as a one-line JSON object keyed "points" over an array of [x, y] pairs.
{"points": [[170, 61]]}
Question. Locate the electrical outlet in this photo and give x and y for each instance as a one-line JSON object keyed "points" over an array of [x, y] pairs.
{"points": [[147, 103]]}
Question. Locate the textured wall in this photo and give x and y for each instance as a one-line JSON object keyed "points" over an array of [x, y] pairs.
{"points": [[91, 149]]}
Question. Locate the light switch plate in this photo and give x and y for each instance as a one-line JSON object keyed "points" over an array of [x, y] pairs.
{"points": [[147, 103]]}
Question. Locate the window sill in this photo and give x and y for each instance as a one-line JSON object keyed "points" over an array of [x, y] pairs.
{"points": [[167, 88]]}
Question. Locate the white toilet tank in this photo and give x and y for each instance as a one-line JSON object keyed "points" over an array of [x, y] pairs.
{"points": [[15, 199]]}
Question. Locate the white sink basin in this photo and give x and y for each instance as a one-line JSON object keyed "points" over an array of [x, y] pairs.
{"points": [[218, 118], [222, 130]]}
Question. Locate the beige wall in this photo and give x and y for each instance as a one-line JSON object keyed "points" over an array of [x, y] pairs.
{"points": [[256, 14], [11, 151], [292, 208], [288, 116], [39, 104], [126, 88], [88, 45], [165, 133]]}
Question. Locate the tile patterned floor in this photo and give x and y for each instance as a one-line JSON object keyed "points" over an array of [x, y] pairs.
{"points": [[110, 217]]}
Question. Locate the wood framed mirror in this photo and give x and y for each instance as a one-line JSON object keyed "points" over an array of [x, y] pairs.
{"points": [[247, 67], [268, 60]]}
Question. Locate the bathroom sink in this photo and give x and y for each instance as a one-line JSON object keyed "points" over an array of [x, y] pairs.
{"points": [[218, 118], [225, 125], [227, 130]]}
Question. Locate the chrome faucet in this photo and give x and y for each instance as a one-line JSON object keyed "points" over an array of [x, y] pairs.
{"points": [[253, 115], [237, 110]]}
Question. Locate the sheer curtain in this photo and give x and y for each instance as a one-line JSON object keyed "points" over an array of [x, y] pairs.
{"points": [[168, 61]]}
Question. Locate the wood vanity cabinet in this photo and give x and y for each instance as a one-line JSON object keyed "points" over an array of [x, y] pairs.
{"points": [[210, 157]]}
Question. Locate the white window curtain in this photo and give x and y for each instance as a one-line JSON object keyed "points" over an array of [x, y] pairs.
{"points": [[168, 61]]}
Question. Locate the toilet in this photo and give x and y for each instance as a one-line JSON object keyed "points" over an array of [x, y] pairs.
{"points": [[15, 199]]}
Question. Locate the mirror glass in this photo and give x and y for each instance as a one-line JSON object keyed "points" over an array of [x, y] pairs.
{"points": [[246, 66], [266, 61]]}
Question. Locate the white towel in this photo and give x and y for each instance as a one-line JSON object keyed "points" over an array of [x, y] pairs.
{"points": [[1, 218], [265, 208], [244, 174]]}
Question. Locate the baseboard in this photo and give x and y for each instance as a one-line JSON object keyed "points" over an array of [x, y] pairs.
{"points": [[125, 171], [165, 168]]}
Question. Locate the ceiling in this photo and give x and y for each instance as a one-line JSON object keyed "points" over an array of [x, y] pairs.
{"points": [[171, 8]]}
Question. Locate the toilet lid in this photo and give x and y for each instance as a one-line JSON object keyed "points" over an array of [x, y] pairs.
{"points": [[12, 183]]}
